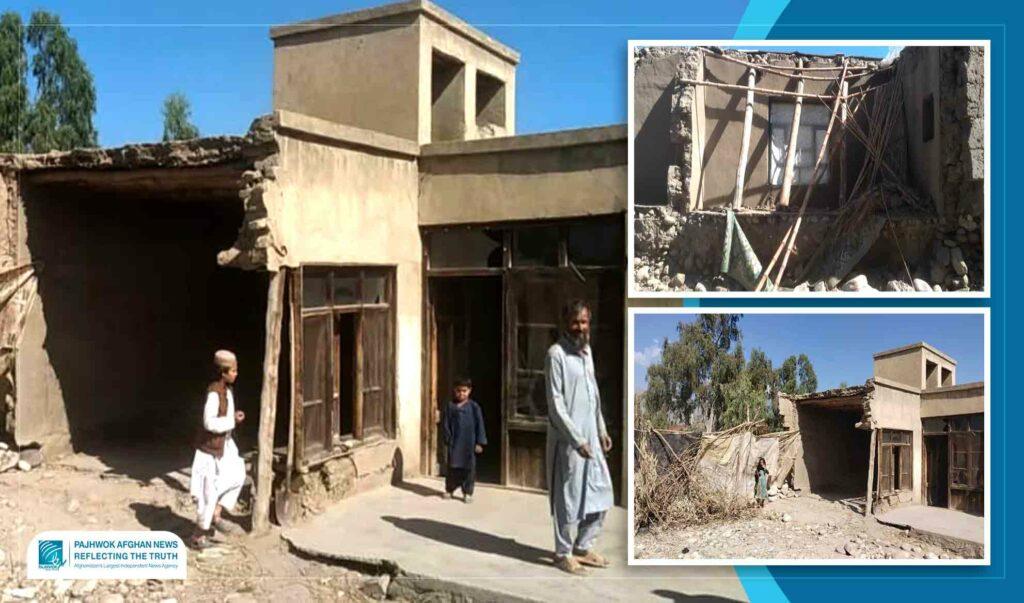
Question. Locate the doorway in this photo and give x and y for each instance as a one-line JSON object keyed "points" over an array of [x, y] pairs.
{"points": [[936, 449], [467, 329]]}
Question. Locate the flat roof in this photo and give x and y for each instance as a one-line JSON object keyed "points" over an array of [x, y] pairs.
{"points": [[915, 346], [423, 7], [856, 391], [528, 142]]}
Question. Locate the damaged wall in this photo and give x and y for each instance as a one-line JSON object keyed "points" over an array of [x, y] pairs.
{"points": [[654, 151], [835, 452], [949, 165], [351, 198], [126, 267], [898, 406]]}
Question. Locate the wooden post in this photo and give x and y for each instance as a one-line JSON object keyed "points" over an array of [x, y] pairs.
{"points": [[268, 404], [871, 472], [844, 90], [748, 120], [814, 177], [787, 176]]}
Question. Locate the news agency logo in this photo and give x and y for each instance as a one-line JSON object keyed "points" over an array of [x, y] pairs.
{"points": [[51, 554]]}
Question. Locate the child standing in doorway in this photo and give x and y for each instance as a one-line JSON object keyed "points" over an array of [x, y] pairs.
{"points": [[463, 425]]}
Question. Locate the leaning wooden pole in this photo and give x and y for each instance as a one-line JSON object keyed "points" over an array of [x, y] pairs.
{"points": [[268, 403], [844, 90], [787, 175], [871, 473], [748, 122], [814, 177]]}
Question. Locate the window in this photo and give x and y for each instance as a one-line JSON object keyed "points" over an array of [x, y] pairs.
{"points": [[813, 123], [490, 104], [536, 246], [895, 461], [928, 118], [465, 248], [447, 94], [346, 349], [947, 377], [931, 374], [596, 244]]}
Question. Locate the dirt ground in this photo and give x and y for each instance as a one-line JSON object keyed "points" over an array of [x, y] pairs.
{"points": [[793, 527], [76, 493]]}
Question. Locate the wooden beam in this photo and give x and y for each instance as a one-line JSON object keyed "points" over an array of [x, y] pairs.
{"points": [[799, 69], [748, 121], [794, 134], [268, 404], [871, 472], [763, 91], [810, 185], [844, 90]]}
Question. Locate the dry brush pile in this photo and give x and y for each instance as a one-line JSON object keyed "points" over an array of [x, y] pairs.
{"points": [[678, 493]]}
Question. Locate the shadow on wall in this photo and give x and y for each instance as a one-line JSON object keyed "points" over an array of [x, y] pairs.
{"points": [[835, 452], [134, 306]]}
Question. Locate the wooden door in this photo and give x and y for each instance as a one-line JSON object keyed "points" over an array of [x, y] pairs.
{"points": [[535, 301], [316, 391]]}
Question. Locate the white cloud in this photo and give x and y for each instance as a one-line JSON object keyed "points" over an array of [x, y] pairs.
{"points": [[647, 356]]}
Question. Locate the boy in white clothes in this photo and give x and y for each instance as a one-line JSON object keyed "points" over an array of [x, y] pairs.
{"points": [[217, 471]]}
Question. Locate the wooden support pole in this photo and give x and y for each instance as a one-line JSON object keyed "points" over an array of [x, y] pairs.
{"points": [[794, 135], [268, 403], [844, 90], [871, 473], [748, 123], [810, 185]]}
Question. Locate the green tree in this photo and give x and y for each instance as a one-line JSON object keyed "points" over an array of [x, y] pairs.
{"points": [[797, 376], [13, 83], [177, 113], [689, 379], [61, 115]]}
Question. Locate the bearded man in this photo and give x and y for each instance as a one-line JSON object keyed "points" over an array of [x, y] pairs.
{"points": [[580, 484]]}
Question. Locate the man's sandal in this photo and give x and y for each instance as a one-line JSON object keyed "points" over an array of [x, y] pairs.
{"points": [[591, 559], [570, 565]]}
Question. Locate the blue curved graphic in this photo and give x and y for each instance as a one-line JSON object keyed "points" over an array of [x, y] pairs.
{"points": [[759, 18]]}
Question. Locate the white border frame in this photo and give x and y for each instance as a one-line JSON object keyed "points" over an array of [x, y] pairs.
{"points": [[985, 293], [984, 561]]}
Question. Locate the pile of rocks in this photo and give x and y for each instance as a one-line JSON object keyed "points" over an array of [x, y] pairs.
{"points": [[864, 547], [958, 254], [777, 492]]}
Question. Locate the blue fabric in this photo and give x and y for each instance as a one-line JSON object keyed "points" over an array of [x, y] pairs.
{"points": [[463, 430], [761, 490]]}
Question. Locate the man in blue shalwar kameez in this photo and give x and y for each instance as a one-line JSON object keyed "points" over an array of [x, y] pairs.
{"points": [[579, 481]]}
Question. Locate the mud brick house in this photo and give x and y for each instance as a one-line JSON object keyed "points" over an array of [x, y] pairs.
{"points": [[910, 434], [380, 233], [761, 170]]}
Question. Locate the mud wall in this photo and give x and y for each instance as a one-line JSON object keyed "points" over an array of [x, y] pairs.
{"points": [[131, 306], [653, 149], [835, 453], [895, 406], [343, 201]]}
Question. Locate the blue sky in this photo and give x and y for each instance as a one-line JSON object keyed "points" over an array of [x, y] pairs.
{"points": [[573, 70], [839, 345]]}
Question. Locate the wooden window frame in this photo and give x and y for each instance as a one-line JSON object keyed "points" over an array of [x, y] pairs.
{"points": [[889, 482], [334, 438]]}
